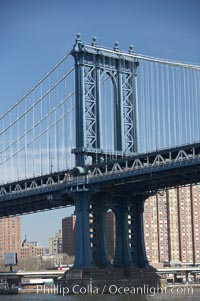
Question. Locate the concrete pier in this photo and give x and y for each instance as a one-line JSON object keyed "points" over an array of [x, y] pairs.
{"points": [[110, 281]]}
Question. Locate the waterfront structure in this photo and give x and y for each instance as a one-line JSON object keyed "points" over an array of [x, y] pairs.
{"points": [[172, 227], [10, 235], [55, 244], [31, 249]]}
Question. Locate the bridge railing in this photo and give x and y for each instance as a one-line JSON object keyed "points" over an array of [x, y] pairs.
{"points": [[120, 168]]}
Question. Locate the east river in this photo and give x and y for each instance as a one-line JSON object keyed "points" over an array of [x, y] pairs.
{"points": [[178, 295]]}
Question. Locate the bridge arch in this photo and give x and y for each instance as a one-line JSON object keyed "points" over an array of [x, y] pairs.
{"points": [[108, 105]]}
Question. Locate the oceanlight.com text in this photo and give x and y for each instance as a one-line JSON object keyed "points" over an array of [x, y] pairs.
{"points": [[113, 289]]}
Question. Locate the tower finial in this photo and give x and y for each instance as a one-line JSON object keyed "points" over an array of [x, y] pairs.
{"points": [[78, 37], [131, 49], [116, 46], [78, 42], [94, 42]]}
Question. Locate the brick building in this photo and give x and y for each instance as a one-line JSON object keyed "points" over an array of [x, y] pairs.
{"points": [[68, 230], [10, 235], [172, 226], [68, 234], [31, 249]]}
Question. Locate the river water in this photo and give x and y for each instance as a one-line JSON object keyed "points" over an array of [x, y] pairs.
{"points": [[178, 294]]}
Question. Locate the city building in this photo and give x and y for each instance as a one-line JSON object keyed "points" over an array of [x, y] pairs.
{"points": [[31, 249], [55, 244], [172, 226], [68, 230], [68, 234], [10, 235]]}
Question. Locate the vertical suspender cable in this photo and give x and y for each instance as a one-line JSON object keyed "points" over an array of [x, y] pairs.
{"points": [[163, 131], [105, 113], [157, 108], [72, 128], [33, 131], [2, 152], [197, 112], [18, 144], [153, 102], [11, 150], [62, 130], [145, 134], [149, 113], [185, 106], [145, 110], [188, 107], [174, 106], [105, 118], [48, 126], [3, 171], [168, 109], [57, 146], [26, 134], [179, 107], [135, 79], [40, 131], [192, 101], [72, 116]]}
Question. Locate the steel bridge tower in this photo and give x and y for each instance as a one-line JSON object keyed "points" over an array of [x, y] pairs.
{"points": [[91, 63], [91, 205]]}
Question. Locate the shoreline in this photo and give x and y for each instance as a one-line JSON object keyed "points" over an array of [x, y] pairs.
{"points": [[41, 291]]}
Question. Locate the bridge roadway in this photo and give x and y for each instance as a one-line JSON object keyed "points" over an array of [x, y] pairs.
{"points": [[139, 174], [59, 273], [33, 274]]}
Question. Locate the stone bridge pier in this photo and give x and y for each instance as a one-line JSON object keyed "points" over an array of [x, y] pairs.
{"points": [[130, 266]]}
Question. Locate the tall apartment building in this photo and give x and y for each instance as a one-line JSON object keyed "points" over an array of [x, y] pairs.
{"points": [[68, 234], [10, 235], [172, 226], [55, 244], [68, 230]]}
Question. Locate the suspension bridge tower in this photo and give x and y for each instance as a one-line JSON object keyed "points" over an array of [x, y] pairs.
{"points": [[93, 66]]}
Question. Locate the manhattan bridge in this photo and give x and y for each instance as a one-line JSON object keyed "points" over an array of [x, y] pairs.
{"points": [[103, 130]]}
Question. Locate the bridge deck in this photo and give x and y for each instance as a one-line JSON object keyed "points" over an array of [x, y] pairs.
{"points": [[139, 174]]}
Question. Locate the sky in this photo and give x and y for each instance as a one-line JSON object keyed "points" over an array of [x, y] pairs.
{"points": [[36, 34]]}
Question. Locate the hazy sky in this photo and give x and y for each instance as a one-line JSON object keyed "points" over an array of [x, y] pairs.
{"points": [[36, 34]]}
